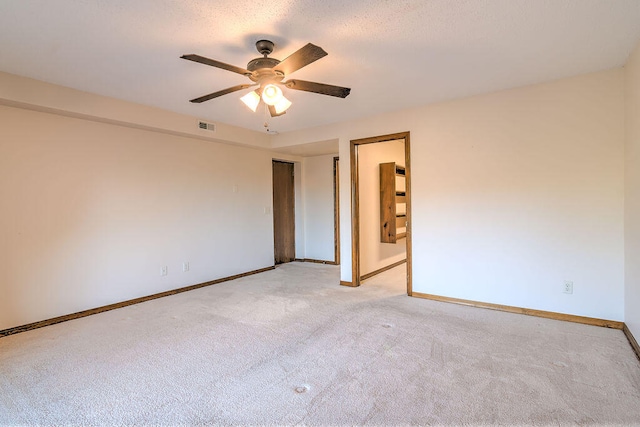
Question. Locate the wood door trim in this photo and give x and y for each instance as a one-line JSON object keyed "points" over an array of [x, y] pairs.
{"points": [[355, 204], [355, 216], [407, 167], [336, 210], [345, 283]]}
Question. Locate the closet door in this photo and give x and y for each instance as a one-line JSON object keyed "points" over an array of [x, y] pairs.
{"points": [[283, 212]]}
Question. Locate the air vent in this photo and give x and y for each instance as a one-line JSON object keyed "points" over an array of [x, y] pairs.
{"points": [[207, 126]]}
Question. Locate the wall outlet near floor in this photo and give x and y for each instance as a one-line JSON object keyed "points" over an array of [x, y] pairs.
{"points": [[568, 287], [185, 266], [164, 271]]}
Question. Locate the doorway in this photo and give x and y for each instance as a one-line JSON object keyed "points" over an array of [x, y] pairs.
{"points": [[355, 203], [283, 212]]}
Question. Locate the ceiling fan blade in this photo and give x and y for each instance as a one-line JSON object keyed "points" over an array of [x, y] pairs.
{"points": [[300, 58], [214, 63], [321, 88], [272, 111], [219, 93]]}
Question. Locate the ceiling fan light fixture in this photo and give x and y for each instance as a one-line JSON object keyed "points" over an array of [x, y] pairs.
{"points": [[251, 100], [282, 105], [272, 94]]}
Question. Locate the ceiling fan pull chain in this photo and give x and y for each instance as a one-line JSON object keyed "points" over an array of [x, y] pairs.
{"points": [[266, 117]]}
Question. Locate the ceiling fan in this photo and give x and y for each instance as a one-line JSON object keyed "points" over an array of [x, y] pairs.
{"points": [[268, 74]]}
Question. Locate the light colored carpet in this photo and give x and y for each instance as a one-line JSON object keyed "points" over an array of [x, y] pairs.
{"points": [[290, 346]]}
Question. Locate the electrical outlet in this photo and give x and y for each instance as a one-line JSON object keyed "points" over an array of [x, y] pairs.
{"points": [[164, 271], [568, 287], [185, 266]]}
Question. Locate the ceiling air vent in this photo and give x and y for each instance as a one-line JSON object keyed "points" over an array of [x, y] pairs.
{"points": [[207, 126]]}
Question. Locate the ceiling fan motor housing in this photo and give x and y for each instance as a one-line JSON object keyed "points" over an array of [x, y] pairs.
{"points": [[258, 63], [262, 70]]}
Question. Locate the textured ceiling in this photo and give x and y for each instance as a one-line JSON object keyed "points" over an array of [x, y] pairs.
{"points": [[393, 54]]}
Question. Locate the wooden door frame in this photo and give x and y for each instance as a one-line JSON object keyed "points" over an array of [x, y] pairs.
{"points": [[355, 204], [336, 210]]}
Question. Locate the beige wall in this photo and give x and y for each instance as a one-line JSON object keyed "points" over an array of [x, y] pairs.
{"points": [[513, 193], [90, 212], [375, 255], [318, 207], [632, 194]]}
